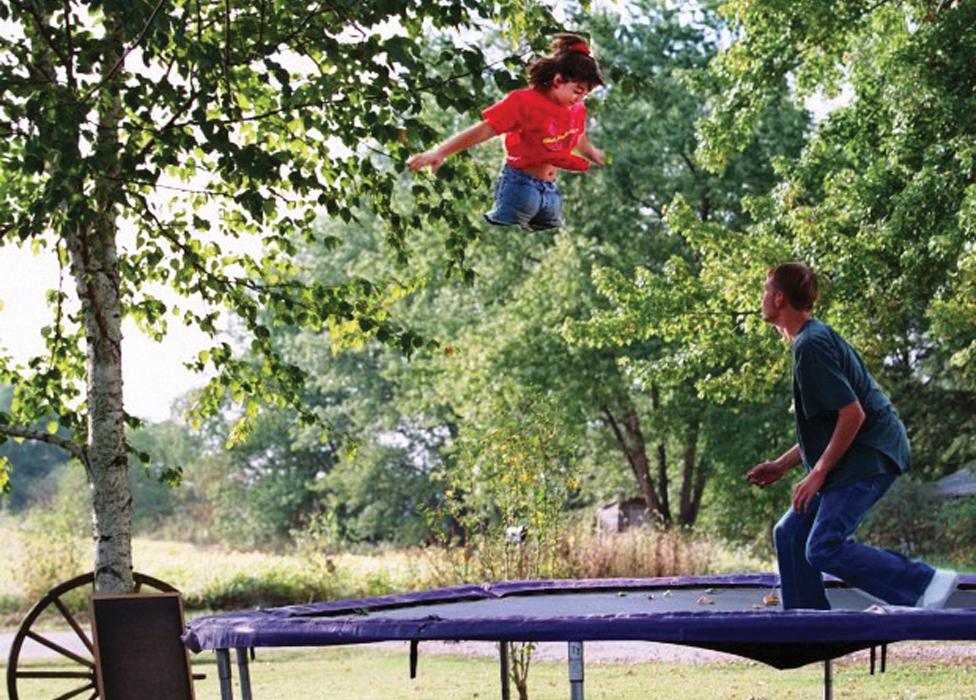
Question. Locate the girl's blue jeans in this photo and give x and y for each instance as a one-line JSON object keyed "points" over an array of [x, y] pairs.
{"points": [[819, 540], [526, 201]]}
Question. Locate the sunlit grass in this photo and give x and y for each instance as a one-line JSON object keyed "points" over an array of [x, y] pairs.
{"points": [[217, 578], [193, 566], [350, 673], [212, 577]]}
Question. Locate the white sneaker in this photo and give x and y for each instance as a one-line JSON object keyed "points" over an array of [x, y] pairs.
{"points": [[939, 589]]}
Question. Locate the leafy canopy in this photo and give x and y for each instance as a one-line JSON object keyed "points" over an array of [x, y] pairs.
{"points": [[181, 130]]}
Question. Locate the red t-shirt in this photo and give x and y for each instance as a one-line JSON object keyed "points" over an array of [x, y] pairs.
{"points": [[537, 130]]}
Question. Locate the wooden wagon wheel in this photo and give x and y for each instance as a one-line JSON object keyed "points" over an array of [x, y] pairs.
{"points": [[85, 673]]}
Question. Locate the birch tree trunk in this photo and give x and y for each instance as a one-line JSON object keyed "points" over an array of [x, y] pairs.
{"points": [[93, 255]]}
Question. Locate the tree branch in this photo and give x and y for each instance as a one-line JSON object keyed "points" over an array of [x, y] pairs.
{"points": [[64, 443], [38, 20], [238, 283], [227, 39], [427, 87], [70, 64], [178, 113], [118, 64], [41, 76]]}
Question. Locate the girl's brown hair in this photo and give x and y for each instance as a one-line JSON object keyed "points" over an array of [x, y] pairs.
{"points": [[570, 59]]}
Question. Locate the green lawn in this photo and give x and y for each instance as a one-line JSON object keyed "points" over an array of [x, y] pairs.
{"points": [[346, 673]]}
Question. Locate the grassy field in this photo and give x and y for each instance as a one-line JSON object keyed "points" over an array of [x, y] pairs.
{"points": [[211, 573], [356, 673], [371, 672], [214, 578]]}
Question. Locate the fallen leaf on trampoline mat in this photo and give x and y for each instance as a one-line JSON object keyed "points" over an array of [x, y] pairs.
{"points": [[666, 594], [705, 600], [771, 599]]}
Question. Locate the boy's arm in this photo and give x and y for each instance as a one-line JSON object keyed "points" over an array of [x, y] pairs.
{"points": [[850, 418], [472, 136], [768, 472], [589, 151]]}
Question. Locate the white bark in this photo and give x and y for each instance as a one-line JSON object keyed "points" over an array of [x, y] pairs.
{"points": [[93, 255]]}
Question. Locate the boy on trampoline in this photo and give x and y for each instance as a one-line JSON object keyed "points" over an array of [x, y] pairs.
{"points": [[543, 124], [853, 446]]}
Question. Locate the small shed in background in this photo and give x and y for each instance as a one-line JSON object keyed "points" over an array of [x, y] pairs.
{"points": [[961, 483], [617, 516]]}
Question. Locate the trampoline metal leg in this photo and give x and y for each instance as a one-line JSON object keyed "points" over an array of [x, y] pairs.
{"points": [[244, 673], [576, 670], [223, 673], [828, 681], [503, 668]]}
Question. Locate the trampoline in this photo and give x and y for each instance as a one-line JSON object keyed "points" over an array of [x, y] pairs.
{"points": [[737, 614]]}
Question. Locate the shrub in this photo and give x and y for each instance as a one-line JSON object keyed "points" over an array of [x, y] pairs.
{"points": [[905, 519], [318, 535], [957, 529], [55, 538], [271, 588]]}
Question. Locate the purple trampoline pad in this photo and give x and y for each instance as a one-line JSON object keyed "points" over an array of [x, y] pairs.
{"points": [[725, 613]]}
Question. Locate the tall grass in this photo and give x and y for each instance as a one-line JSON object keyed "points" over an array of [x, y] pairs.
{"points": [[637, 552], [582, 552], [215, 578]]}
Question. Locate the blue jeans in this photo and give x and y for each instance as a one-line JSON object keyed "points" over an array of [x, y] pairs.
{"points": [[819, 540], [526, 201]]}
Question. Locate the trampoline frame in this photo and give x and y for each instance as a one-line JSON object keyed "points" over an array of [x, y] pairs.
{"points": [[892, 625]]}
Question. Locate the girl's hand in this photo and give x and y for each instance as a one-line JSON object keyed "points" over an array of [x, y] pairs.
{"points": [[597, 156], [433, 158]]}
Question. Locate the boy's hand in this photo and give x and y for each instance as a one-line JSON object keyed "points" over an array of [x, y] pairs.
{"points": [[433, 158], [807, 489], [597, 156], [765, 474]]}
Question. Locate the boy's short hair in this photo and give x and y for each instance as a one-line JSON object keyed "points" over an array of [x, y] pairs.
{"points": [[797, 282]]}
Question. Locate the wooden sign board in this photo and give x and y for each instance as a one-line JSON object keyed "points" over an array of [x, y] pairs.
{"points": [[138, 651]]}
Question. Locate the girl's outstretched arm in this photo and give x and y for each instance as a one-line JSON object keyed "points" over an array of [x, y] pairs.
{"points": [[472, 136], [590, 152]]}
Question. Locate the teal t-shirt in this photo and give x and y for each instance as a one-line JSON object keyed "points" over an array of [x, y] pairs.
{"points": [[828, 374]]}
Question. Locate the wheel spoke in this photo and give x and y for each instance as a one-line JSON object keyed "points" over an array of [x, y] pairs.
{"points": [[66, 614], [60, 649], [77, 691], [53, 674], [86, 675]]}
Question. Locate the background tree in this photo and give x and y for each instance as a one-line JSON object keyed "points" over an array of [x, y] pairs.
{"points": [[520, 325], [879, 202], [36, 479], [524, 324], [249, 115]]}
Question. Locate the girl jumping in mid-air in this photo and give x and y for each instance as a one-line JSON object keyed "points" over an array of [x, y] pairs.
{"points": [[542, 124]]}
